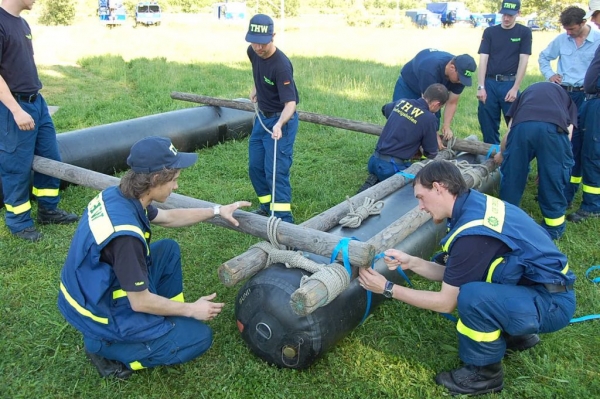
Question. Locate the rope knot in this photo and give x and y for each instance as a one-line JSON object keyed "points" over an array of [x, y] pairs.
{"points": [[356, 216]]}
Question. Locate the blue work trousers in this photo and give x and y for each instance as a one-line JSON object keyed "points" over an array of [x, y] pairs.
{"points": [[261, 148], [17, 148], [188, 337], [552, 149], [576, 144], [486, 309], [489, 113], [590, 155], [385, 169]]}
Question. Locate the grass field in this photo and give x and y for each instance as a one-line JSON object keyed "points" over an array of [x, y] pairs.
{"points": [[98, 75]]}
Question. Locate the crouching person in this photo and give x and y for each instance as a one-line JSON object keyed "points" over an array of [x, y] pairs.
{"points": [[503, 274], [124, 293]]}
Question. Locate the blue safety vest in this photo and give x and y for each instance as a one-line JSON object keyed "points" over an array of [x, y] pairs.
{"points": [[90, 296], [533, 255]]}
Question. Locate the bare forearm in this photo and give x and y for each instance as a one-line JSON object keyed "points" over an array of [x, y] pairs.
{"points": [[430, 300]]}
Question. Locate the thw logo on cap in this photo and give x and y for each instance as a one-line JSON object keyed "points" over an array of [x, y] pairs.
{"points": [[259, 28], [173, 149], [512, 6]]}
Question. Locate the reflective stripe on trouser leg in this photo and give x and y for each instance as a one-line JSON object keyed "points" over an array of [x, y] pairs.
{"points": [[591, 156], [256, 163]]}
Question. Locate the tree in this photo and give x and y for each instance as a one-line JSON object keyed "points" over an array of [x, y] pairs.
{"points": [[57, 12]]}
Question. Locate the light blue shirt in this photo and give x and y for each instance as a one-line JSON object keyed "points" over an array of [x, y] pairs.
{"points": [[573, 62]]}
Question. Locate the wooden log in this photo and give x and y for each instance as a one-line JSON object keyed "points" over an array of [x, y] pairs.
{"points": [[253, 260], [288, 234], [313, 294], [342, 123], [472, 147]]}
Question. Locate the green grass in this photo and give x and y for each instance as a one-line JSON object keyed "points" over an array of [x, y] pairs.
{"points": [[98, 76]]}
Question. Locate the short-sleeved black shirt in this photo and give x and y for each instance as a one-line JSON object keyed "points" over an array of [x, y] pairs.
{"points": [[504, 46], [127, 255], [429, 67], [17, 66], [274, 80]]}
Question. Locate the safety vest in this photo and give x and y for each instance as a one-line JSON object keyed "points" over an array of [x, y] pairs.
{"points": [[532, 255], [90, 297]]}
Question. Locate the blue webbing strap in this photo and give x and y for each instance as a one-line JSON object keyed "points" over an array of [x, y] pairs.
{"points": [[407, 175], [493, 147], [594, 280]]}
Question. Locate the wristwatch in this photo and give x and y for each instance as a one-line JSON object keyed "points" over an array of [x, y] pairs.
{"points": [[216, 210], [480, 87], [388, 290]]}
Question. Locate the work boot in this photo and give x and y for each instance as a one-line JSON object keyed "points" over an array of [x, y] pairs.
{"points": [[517, 343], [109, 368], [580, 215], [29, 234], [56, 216], [260, 212], [370, 182], [473, 380]]}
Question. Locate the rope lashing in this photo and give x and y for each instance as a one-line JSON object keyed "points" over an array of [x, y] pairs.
{"points": [[469, 169], [355, 217]]}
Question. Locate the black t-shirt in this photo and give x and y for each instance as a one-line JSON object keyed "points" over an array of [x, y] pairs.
{"points": [[504, 46], [544, 102], [470, 258], [274, 80], [17, 66], [410, 125], [429, 67], [591, 83], [127, 255]]}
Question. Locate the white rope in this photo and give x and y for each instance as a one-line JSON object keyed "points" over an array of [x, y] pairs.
{"points": [[355, 217]]}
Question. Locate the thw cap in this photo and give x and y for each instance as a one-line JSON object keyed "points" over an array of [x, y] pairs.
{"points": [[152, 154], [465, 66], [594, 6], [260, 29], [510, 7]]}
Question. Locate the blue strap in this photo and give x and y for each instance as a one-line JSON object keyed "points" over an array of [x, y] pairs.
{"points": [[407, 175], [594, 280], [343, 246], [493, 147]]}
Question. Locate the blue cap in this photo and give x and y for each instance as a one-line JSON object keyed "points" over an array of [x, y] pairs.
{"points": [[465, 66], [260, 29], [152, 154], [510, 7]]}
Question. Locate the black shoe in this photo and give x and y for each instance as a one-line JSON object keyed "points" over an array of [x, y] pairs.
{"points": [[473, 380], [56, 216], [260, 212], [517, 343], [109, 368], [29, 234], [580, 215], [370, 182]]}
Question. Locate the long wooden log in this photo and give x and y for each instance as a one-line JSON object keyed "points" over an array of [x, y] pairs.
{"points": [[472, 147], [320, 119], [314, 294], [253, 260], [288, 234]]}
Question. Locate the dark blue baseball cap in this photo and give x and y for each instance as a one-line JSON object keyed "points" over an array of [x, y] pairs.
{"points": [[152, 154], [465, 66], [260, 29]]}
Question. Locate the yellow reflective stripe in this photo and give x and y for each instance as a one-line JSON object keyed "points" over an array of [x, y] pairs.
{"points": [[281, 207], [136, 366], [590, 189], [460, 229], [81, 309], [45, 192], [554, 222], [19, 208], [575, 179], [477, 336], [565, 270], [178, 298], [265, 199], [495, 213], [119, 294], [492, 268]]}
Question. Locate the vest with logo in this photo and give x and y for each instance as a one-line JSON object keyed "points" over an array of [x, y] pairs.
{"points": [[533, 257], [90, 297]]}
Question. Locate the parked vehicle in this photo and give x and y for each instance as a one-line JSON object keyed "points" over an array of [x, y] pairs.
{"points": [[423, 18], [111, 13], [148, 13]]}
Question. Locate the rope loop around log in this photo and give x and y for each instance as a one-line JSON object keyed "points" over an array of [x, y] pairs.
{"points": [[356, 216], [469, 169]]}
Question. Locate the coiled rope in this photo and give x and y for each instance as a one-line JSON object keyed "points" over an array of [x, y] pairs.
{"points": [[355, 217]]}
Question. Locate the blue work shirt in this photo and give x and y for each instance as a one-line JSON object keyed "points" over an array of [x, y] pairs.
{"points": [[573, 62], [592, 77], [427, 68]]}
